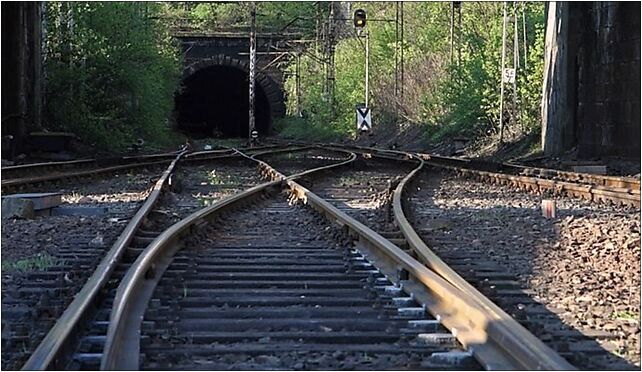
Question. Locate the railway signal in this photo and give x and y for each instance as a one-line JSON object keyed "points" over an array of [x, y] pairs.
{"points": [[363, 112], [359, 19]]}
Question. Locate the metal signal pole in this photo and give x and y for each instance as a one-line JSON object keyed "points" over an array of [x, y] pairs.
{"points": [[525, 43], [252, 70], [298, 84], [501, 94], [367, 66]]}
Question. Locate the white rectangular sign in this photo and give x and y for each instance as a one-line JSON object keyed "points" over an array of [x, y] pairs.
{"points": [[509, 75], [364, 119]]}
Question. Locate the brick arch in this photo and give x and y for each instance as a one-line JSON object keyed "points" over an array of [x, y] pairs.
{"points": [[272, 90]]}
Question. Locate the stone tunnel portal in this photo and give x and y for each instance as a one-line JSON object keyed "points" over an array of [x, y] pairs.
{"points": [[214, 101]]}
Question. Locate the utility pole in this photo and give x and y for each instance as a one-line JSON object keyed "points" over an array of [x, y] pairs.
{"points": [[452, 30], [525, 42], [501, 94], [298, 84], [317, 29], [459, 4], [396, 47], [252, 81], [516, 111], [329, 58], [402, 48]]}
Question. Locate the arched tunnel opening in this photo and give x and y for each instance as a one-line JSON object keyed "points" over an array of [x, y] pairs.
{"points": [[214, 102]]}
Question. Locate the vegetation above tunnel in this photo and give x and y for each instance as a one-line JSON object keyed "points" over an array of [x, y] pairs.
{"points": [[113, 69]]}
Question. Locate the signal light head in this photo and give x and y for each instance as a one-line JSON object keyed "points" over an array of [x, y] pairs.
{"points": [[360, 18]]}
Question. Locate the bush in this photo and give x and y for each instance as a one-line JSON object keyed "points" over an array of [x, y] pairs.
{"points": [[447, 99], [112, 70]]}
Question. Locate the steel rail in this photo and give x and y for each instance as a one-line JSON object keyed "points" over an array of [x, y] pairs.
{"points": [[507, 336], [46, 165], [591, 187], [90, 172], [57, 166], [42, 166], [594, 193], [467, 320], [597, 193], [122, 346], [49, 351], [199, 156], [597, 179], [611, 184]]}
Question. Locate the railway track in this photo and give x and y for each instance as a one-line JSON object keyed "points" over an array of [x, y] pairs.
{"points": [[471, 235], [135, 290], [416, 326], [591, 187], [463, 263], [31, 176], [38, 173], [260, 292], [33, 319], [156, 212]]}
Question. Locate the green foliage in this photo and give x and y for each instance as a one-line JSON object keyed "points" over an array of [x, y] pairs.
{"points": [[447, 98], [301, 129], [112, 70], [40, 262], [216, 16]]}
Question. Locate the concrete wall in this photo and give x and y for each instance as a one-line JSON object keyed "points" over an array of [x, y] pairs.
{"points": [[592, 79], [608, 78]]}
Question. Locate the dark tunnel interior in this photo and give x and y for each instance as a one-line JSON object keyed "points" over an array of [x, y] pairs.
{"points": [[214, 102]]}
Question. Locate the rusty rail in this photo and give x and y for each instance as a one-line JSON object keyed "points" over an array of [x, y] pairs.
{"points": [[51, 348], [509, 338], [53, 171], [497, 344], [122, 346], [51, 351], [589, 187]]}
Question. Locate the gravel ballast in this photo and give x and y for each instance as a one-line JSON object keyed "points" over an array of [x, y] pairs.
{"points": [[583, 265]]}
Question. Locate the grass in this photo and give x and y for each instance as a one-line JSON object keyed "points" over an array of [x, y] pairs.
{"points": [[205, 202], [301, 129], [626, 315], [216, 179], [228, 142], [40, 262]]}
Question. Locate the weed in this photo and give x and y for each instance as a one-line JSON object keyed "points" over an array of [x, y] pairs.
{"points": [[217, 179], [626, 315], [40, 262]]}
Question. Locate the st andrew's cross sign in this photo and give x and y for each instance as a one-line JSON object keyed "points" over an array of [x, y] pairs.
{"points": [[364, 118]]}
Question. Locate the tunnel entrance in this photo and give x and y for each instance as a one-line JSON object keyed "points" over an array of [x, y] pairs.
{"points": [[214, 101]]}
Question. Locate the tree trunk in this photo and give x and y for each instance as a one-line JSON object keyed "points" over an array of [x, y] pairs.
{"points": [[556, 104]]}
